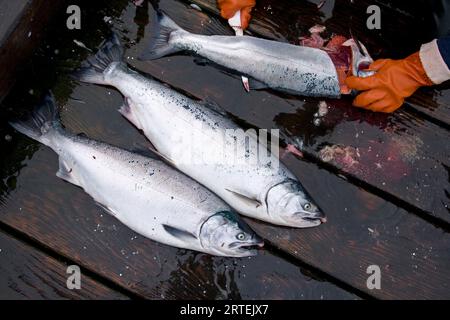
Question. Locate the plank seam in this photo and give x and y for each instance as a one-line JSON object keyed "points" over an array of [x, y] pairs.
{"points": [[411, 208], [403, 204], [285, 255], [411, 107], [425, 116], [42, 248]]}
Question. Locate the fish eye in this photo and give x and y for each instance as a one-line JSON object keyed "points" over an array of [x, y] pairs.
{"points": [[240, 236], [307, 206]]}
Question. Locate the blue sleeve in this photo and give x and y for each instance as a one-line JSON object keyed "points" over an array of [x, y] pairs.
{"points": [[444, 48]]}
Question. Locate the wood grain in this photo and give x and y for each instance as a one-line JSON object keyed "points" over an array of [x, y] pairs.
{"points": [[22, 25], [363, 229], [26, 273], [63, 218], [284, 21], [410, 155]]}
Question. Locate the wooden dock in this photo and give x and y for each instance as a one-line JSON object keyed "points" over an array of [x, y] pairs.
{"points": [[387, 207]]}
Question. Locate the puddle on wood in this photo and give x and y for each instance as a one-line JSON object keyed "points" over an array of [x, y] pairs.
{"points": [[91, 109]]}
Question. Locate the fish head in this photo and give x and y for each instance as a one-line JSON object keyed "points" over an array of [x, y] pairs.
{"points": [[361, 59], [289, 205], [226, 234]]}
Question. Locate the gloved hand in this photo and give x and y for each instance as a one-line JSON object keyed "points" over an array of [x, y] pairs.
{"points": [[394, 81], [228, 9]]}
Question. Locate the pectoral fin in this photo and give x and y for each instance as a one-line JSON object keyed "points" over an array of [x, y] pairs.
{"points": [[165, 158], [127, 111], [181, 235], [201, 62], [247, 200], [256, 84], [110, 211], [65, 172]]}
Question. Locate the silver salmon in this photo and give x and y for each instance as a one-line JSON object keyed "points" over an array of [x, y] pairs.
{"points": [[145, 194], [294, 69], [175, 123]]}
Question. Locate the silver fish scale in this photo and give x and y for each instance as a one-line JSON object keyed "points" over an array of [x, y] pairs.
{"points": [[294, 69], [169, 119], [141, 192]]}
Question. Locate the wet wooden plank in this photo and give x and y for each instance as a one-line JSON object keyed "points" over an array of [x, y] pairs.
{"points": [[284, 21], [401, 154], [26, 273], [156, 270], [434, 102], [66, 220], [10, 14], [395, 248], [22, 25], [363, 229]]}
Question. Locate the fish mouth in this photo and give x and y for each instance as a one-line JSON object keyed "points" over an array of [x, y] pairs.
{"points": [[321, 219], [313, 221], [247, 249]]}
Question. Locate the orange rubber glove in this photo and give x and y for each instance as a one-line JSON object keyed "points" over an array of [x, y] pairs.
{"points": [[228, 9], [394, 81]]}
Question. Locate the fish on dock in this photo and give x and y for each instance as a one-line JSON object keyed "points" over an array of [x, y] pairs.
{"points": [[294, 69], [259, 187], [144, 193]]}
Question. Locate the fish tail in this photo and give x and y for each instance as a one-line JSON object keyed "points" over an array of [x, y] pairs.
{"points": [[42, 123], [159, 45], [105, 60]]}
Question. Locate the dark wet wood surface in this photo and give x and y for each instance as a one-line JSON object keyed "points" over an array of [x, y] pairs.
{"points": [[404, 155], [66, 220], [283, 21], [22, 26], [395, 216], [26, 273]]}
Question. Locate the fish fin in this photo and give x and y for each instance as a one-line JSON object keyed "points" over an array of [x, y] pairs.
{"points": [[201, 61], [165, 158], [82, 135], [65, 172], [159, 45], [43, 120], [245, 83], [214, 106], [109, 210], [95, 68], [256, 84], [178, 233], [216, 26], [126, 111], [246, 199], [144, 149], [147, 149], [252, 82]]}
